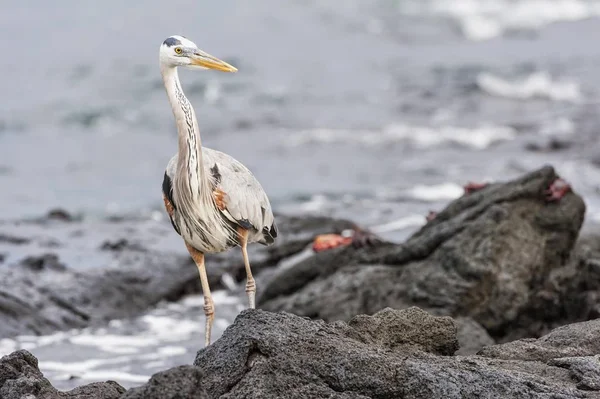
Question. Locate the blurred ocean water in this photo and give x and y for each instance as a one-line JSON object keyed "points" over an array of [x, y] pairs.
{"points": [[344, 100]]}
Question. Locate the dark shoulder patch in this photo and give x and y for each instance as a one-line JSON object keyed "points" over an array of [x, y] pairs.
{"points": [[167, 189], [216, 174], [171, 41]]}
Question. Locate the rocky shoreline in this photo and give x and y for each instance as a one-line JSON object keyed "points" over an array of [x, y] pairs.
{"points": [[392, 354], [43, 293], [471, 291], [504, 256]]}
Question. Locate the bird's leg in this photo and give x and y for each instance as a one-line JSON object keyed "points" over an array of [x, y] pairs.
{"points": [[250, 284], [209, 308]]}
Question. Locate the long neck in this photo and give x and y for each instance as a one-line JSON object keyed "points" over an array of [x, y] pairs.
{"points": [[190, 168]]}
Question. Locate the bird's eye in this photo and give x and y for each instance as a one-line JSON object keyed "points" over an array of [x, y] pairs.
{"points": [[178, 50]]}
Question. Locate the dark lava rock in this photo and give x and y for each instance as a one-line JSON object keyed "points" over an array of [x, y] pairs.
{"points": [[9, 239], [120, 245], [392, 354], [490, 255], [279, 355], [572, 292], [574, 347], [572, 340], [20, 378], [60, 214], [183, 382], [552, 145], [584, 370], [38, 299], [39, 263], [410, 327]]}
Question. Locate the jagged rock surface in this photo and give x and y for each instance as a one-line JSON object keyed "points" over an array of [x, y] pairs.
{"points": [[494, 256], [392, 354], [20, 378]]}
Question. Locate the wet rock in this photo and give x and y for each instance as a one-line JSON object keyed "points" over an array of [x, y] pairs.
{"points": [[178, 382], [552, 145], [59, 214], [9, 239], [45, 261], [38, 297], [21, 378], [43, 293], [120, 245], [490, 255]]}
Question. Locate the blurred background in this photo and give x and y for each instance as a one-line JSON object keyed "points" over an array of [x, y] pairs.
{"points": [[377, 111]]}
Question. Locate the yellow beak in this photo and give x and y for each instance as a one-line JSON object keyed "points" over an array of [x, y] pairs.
{"points": [[204, 60]]}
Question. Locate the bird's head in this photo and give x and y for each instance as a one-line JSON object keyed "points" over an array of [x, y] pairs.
{"points": [[178, 51]]}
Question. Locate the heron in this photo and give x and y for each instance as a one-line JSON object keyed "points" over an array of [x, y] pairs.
{"points": [[213, 201]]}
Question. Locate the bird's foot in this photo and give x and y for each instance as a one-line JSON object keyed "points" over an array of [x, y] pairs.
{"points": [[357, 238], [251, 292], [430, 216], [557, 189], [209, 312], [471, 187]]}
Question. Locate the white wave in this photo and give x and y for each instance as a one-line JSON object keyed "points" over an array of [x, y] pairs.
{"points": [[102, 375], [422, 136], [165, 336], [82, 366], [558, 127], [115, 343], [115, 375], [155, 364], [486, 19], [439, 192], [536, 85], [167, 351], [316, 203], [409, 221], [7, 346], [168, 329]]}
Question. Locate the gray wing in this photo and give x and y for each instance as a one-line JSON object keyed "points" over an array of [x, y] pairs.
{"points": [[245, 203], [242, 199]]}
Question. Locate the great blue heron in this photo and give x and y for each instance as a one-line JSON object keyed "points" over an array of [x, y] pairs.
{"points": [[214, 202]]}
